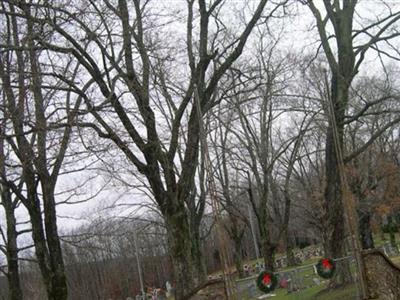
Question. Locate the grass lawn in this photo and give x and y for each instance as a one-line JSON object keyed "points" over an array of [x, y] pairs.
{"points": [[379, 242], [314, 293], [317, 293]]}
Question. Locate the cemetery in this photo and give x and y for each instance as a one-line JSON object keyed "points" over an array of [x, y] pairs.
{"points": [[302, 282], [199, 149]]}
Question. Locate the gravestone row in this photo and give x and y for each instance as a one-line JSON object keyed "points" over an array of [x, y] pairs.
{"points": [[281, 262]]}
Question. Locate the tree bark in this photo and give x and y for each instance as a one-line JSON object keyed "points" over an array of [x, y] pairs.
{"points": [[14, 285], [184, 261], [236, 234], [237, 256], [392, 231], [333, 191], [290, 258], [58, 279], [268, 253]]}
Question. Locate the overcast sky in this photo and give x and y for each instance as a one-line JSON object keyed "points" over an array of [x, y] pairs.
{"points": [[299, 35]]}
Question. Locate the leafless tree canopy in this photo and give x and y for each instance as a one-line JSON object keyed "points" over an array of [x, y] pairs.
{"points": [[104, 104]]}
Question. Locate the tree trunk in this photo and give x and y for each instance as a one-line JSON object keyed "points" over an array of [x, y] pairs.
{"points": [[290, 258], [268, 253], [237, 256], [58, 279], [364, 221], [381, 231], [392, 238], [55, 282], [335, 214], [334, 205], [14, 286], [39, 241], [197, 253], [383, 236], [392, 232], [188, 276], [291, 261]]}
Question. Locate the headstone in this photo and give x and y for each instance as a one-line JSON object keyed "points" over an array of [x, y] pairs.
{"points": [[283, 283], [168, 286], [252, 290], [257, 268], [290, 287], [393, 250], [277, 264], [385, 249], [316, 281], [293, 282], [266, 296], [246, 270], [284, 261]]}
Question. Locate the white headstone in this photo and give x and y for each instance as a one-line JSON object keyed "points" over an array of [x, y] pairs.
{"points": [[168, 286], [316, 281]]}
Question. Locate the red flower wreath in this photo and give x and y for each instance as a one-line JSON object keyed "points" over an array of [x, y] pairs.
{"points": [[266, 281], [326, 268]]}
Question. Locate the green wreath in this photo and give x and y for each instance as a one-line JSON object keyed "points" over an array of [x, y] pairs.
{"points": [[266, 281], [326, 268]]}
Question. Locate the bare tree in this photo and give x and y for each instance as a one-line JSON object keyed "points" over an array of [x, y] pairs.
{"points": [[10, 235], [308, 185], [127, 46], [352, 43], [256, 142], [40, 147], [232, 194]]}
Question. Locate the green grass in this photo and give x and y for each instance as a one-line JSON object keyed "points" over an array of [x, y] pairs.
{"points": [[378, 241], [313, 293]]}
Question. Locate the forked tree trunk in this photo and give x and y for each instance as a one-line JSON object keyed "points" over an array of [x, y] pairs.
{"points": [[48, 260]]}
